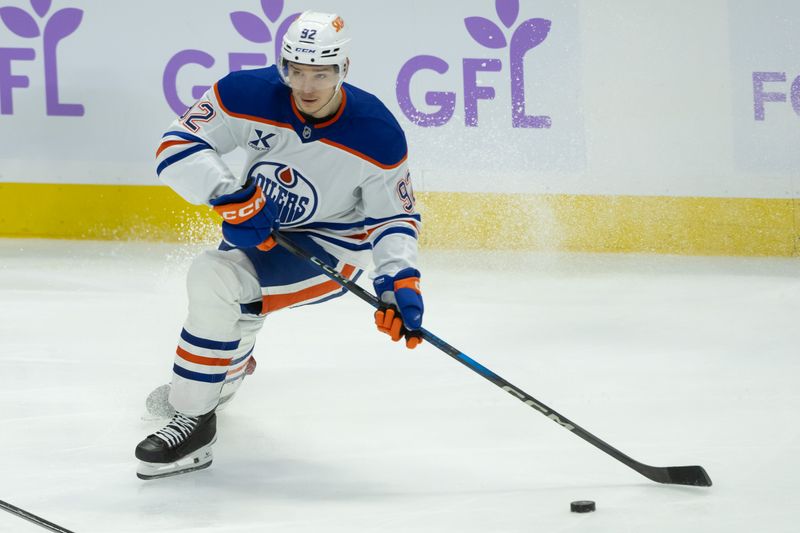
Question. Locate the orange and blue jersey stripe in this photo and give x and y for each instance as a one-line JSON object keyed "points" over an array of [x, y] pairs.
{"points": [[189, 144], [237, 367], [205, 360], [361, 236], [314, 290]]}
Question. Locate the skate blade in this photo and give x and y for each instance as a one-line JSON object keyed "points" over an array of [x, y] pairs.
{"points": [[198, 460]]}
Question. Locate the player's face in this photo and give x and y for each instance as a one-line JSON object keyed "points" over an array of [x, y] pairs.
{"points": [[313, 87]]}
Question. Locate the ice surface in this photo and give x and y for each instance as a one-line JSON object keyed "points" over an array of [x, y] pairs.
{"points": [[674, 361]]}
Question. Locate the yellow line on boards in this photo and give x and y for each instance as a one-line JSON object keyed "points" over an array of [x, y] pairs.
{"points": [[560, 222], [584, 223]]}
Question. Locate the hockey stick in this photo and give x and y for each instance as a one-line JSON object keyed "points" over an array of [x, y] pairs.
{"points": [[676, 475], [32, 518]]}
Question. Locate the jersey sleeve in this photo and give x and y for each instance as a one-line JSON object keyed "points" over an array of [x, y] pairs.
{"points": [[391, 220], [189, 156]]}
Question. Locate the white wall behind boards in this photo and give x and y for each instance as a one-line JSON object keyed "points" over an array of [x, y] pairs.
{"points": [[639, 97]]}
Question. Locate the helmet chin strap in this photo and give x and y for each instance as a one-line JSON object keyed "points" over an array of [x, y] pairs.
{"points": [[345, 68], [331, 99]]}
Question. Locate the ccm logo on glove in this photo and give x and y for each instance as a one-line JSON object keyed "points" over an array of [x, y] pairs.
{"points": [[238, 213], [248, 217]]}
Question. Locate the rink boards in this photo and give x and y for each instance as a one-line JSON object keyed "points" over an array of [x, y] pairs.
{"points": [[587, 223]]}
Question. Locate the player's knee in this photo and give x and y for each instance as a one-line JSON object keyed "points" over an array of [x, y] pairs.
{"points": [[213, 276]]}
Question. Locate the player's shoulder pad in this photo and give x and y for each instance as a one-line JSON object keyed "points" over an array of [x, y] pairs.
{"points": [[371, 129], [252, 93]]}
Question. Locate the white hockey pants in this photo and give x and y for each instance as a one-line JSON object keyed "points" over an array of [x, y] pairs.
{"points": [[217, 338]]}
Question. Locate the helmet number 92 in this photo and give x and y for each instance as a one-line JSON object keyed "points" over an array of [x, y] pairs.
{"points": [[308, 34]]}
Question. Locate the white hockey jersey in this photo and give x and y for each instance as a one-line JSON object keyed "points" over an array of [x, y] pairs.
{"points": [[345, 182]]}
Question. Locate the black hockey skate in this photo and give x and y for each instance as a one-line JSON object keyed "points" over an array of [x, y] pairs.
{"points": [[183, 445]]}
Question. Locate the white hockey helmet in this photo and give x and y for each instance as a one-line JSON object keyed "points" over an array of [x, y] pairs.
{"points": [[316, 39]]}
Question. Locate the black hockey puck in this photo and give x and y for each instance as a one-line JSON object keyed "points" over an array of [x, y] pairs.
{"points": [[582, 506]]}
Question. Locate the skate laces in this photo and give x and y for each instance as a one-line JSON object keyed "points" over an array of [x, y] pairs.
{"points": [[178, 429]]}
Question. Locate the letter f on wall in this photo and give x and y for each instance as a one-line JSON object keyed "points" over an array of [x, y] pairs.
{"points": [[9, 81], [759, 96]]}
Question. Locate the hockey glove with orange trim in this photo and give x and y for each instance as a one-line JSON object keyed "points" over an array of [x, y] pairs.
{"points": [[401, 309], [248, 217]]}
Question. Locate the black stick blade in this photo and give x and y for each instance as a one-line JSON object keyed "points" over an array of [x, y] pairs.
{"points": [[695, 476], [688, 475]]}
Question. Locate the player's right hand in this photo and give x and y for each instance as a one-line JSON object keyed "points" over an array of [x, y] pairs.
{"points": [[248, 217]]}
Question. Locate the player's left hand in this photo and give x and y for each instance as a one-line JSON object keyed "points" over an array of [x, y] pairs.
{"points": [[400, 313], [248, 217]]}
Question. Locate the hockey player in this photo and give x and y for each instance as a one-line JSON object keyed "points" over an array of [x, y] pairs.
{"points": [[325, 163]]}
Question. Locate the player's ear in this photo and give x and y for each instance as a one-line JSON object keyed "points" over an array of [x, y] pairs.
{"points": [[346, 67]]}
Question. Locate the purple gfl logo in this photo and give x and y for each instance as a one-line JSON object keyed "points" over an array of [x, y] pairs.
{"points": [[248, 25], [527, 36], [761, 96], [59, 26]]}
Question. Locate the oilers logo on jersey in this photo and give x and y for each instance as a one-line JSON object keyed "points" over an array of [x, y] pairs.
{"points": [[293, 193]]}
